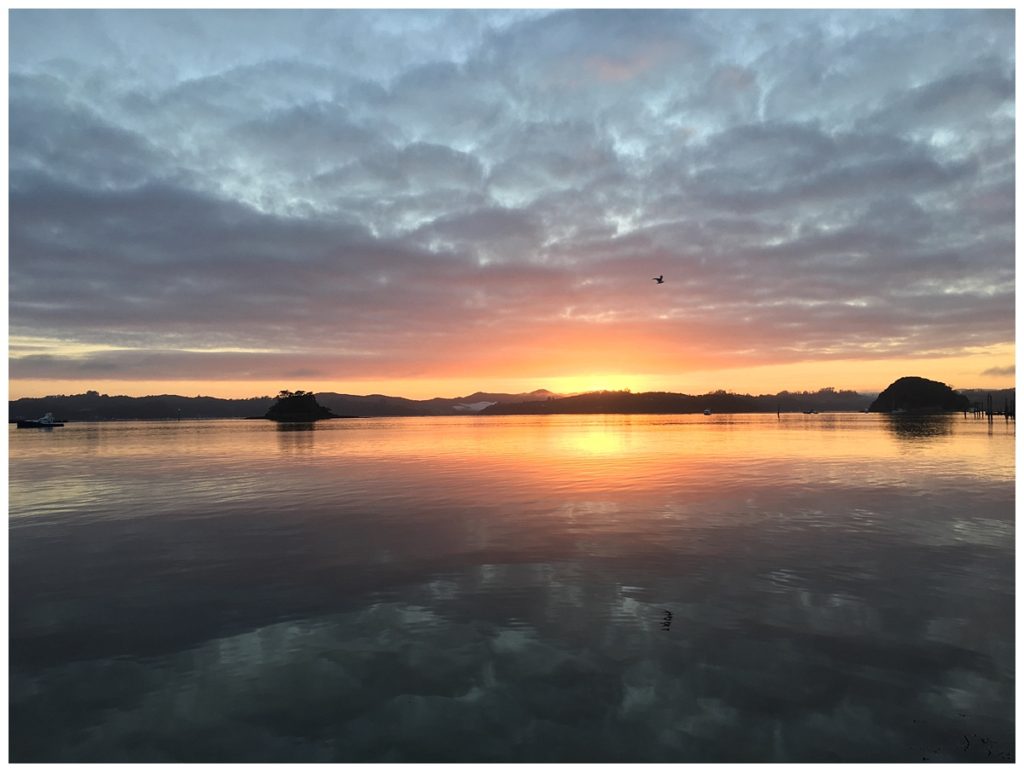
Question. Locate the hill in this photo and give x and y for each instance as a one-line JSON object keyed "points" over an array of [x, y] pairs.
{"points": [[93, 406], [298, 407], [1002, 399], [912, 394], [669, 402], [382, 405]]}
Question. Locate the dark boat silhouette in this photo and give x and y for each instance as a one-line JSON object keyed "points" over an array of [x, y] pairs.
{"points": [[46, 422]]}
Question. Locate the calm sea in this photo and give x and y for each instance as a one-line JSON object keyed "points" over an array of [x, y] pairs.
{"points": [[555, 588]]}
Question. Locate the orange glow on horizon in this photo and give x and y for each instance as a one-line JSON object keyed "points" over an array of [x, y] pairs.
{"points": [[866, 376]]}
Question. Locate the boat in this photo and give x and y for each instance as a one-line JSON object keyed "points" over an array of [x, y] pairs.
{"points": [[707, 412], [46, 422]]}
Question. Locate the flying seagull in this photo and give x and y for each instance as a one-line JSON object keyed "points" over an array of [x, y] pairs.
{"points": [[659, 279]]}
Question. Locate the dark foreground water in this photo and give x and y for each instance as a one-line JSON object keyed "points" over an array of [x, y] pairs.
{"points": [[584, 588]]}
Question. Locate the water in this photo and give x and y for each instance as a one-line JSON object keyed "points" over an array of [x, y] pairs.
{"points": [[554, 588]]}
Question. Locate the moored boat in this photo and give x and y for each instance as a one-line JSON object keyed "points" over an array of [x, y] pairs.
{"points": [[46, 422]]}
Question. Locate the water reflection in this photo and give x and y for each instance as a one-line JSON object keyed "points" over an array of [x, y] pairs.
{"points": [[295, 426], [295, 437], [920, 427], [523, 589]]}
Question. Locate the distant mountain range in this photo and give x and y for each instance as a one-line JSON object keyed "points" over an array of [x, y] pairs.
{"points": [[93, 406], [824, 400]]}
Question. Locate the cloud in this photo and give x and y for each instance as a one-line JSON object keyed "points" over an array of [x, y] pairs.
{"points": [[1008, 370], [49, 131], [812, 184]]}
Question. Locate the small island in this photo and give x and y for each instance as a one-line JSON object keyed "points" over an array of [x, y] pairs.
{"points": [[912, 394], [298, 407]]}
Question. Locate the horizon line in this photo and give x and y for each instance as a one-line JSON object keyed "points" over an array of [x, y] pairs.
{"points": [[483, 391]]}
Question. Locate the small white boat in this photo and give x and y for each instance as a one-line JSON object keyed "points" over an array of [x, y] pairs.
{"points": [[45, 422], [707, 412]]}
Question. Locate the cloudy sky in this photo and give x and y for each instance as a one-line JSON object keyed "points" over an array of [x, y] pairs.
{"points": [[426, 203]]}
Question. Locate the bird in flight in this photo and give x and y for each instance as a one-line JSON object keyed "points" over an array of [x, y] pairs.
{"points": [[659, 279]]}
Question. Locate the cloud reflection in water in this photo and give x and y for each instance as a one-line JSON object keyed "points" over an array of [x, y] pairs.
{"points": [[465, 589]]}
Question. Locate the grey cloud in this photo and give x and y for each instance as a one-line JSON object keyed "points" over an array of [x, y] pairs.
{"points": [[539, 158], [1009, 370], [213, 268], [305, 140], [731, 94], [49, 131], [234, 95], [570, 49], [964, 93], [392, 214], [992, 207], [497, 227], [847, 64], [430, 165], [165, 244], [373, 44], [448, 103], [154, 363], [772, 166], [810, 181], [956, 102], [416, 168]]}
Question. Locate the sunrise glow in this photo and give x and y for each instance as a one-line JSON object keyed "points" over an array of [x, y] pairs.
{"points": [[455, 234], [511, 386]]}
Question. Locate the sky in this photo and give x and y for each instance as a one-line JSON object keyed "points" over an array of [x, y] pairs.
{"points": [[427, 203]]}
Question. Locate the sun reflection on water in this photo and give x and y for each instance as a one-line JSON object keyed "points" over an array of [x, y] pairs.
{"points": [[597, 441], [427, 584]]}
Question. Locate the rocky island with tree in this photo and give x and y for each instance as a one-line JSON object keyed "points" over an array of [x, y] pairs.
{"points": [[912, 394], [298, 407]]}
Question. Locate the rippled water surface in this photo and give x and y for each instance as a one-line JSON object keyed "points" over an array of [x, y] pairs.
{"points": [[556, 588]]}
